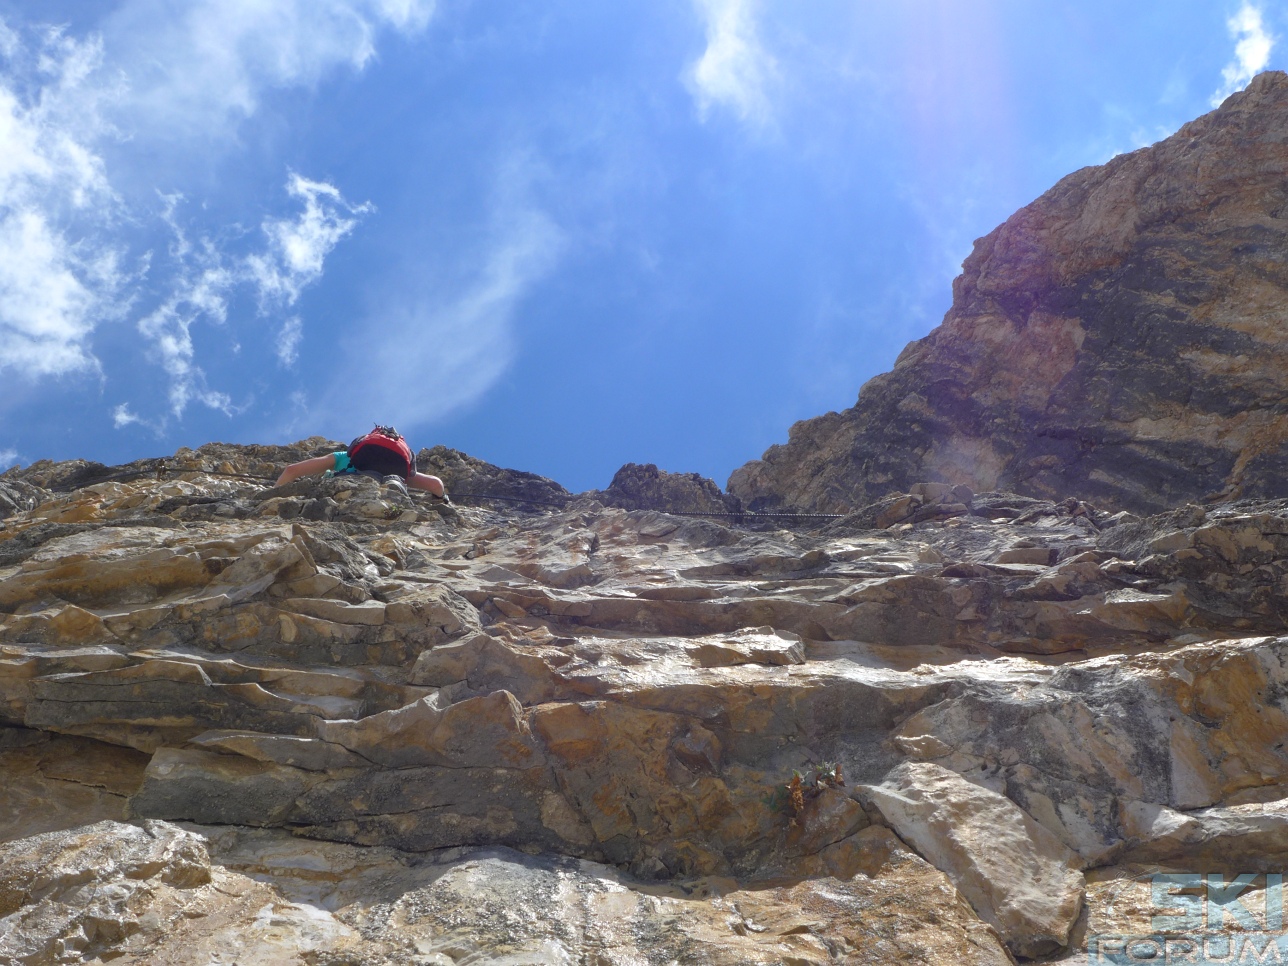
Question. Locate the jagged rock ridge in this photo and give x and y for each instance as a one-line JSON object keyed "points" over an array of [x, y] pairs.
{"points": [[1120, 340], [645, 487]]}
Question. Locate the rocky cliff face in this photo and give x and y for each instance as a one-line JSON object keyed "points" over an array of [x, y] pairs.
{"points": [[1120, 340], [326, 723], [989, 715]]}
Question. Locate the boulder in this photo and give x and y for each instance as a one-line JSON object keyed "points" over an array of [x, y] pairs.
{"points": [[1017, 876]]}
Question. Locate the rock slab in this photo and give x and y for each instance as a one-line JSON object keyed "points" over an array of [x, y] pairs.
{"points": [[1015, 873]]}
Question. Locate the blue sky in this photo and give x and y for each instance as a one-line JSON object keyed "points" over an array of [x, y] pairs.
{"points": [[559, 236]]}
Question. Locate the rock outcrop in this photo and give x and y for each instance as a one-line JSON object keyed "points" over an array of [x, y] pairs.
{"points": [[644, 487], [471, 480], [934, 732], [1016, 874], [1119, 340]]}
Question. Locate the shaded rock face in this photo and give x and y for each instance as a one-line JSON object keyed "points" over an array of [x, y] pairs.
{"points": [[1119, 340], [466, 476], [938, 730], [644, 487], [17, 495]]}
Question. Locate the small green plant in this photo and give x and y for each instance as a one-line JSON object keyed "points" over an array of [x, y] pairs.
{"points": [[829, 775]]}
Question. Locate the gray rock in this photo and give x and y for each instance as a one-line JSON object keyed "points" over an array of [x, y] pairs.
{"points": [[645, 487], [17, 495], [1016, 874], [471, 479]]}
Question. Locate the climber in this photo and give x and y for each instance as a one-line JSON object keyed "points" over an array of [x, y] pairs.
{"points": [[381, 453]]}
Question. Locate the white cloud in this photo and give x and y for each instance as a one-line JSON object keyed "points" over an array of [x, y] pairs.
{"points": [[159, 70], [169, 329], [1251, 51], [8, 457], [735, 71], [207, 277], [288, 341], [444, 350], [53, 289], [46, 311], [297, 247], [9, 42], [123, 416], [210, 62]]}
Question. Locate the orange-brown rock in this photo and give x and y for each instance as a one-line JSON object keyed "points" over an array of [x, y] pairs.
{"points": [[412, 731], [1119, 340]]}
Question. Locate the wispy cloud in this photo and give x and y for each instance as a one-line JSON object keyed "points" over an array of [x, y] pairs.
{"points": [[72, 248], [9, 41], [289, 338], [1251, 51], [211, 62], [54, 289], [735, 72], [200, 293], [441, 350], [7, 456], [294, 256], [298, 246]]}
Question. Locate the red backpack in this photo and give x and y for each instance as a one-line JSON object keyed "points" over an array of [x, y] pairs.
{"points": [[384, 451]]}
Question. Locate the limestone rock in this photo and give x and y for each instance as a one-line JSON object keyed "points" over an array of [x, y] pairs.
{"points": [[635, 693], [645, 487], [75, 895], [1015, 873], [57, 782], [1115, 341], [1253, 835], [923, 501], [206, 894], [432, 615], [16, 495], [761, 645], [705, 742], [465, 475]]}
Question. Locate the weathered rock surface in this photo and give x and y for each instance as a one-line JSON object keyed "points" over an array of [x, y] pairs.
{"points": [[1016, 874], [1119, 340], [702, 743], [17, 495], [467, 477], [644, 487], [163, 894], [74, 896]]}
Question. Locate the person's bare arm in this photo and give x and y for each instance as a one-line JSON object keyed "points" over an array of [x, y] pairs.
{"points": [[319, 464], [423, 481]]}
